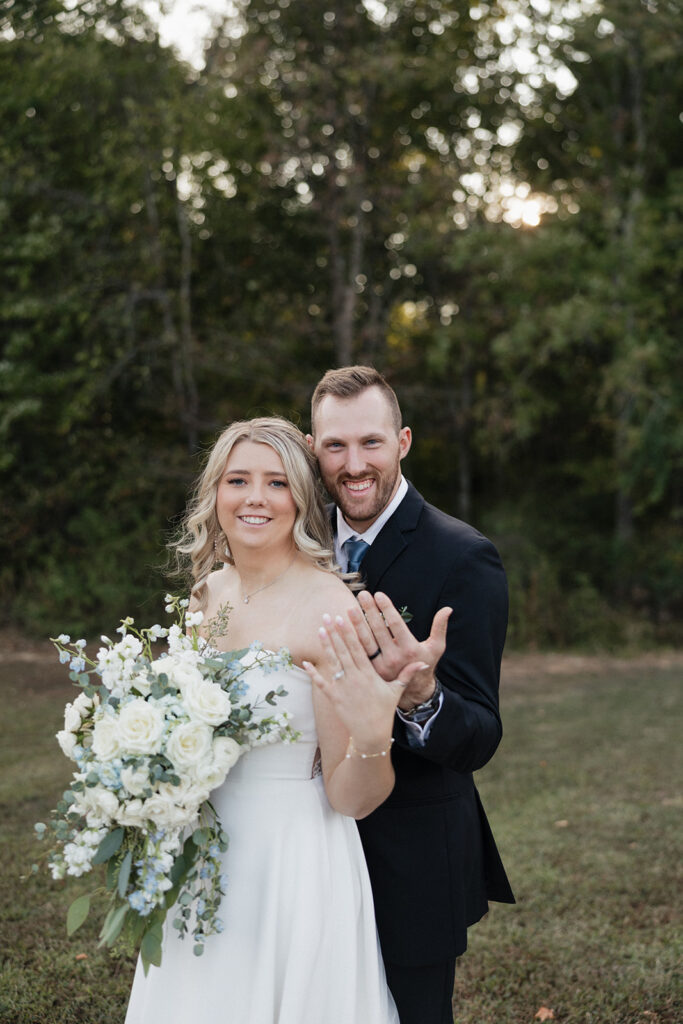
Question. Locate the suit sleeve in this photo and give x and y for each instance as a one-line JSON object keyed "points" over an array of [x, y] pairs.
{"points": [[467, 730]]}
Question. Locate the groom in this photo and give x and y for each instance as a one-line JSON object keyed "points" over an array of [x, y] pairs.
{"points": [[430, 852]]}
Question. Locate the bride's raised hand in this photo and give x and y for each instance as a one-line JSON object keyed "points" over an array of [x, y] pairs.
{"points": [[360, 698]]}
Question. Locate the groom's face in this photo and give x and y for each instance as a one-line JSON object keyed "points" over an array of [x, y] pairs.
{"points": [[359, 453]]}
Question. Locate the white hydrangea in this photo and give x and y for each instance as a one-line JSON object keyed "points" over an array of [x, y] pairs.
{"points": [[58, 869], [117, 664]]}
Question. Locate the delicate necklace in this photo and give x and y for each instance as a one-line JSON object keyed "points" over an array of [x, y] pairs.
{"points": [[246, 597]]}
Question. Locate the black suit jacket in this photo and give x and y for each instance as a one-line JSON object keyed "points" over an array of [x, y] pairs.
{"points": [[431, 856]]}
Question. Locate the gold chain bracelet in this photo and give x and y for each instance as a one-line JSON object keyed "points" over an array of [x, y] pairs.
{"points": [[351, 750]]}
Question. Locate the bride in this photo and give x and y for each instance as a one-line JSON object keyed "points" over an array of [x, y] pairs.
{"points": [[300, 944]]}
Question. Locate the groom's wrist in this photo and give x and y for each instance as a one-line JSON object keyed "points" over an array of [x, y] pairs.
{"points": [[425, 707]]}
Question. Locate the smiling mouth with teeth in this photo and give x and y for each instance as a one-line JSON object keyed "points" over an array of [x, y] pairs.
{"points": [[254, 520], [358, 486]]}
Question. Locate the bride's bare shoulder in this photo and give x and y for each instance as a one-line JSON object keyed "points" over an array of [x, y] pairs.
{"points": [[328, 593], [220, 585]]}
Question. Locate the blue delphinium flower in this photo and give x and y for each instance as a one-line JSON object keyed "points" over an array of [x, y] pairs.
{"points": [[138, 902], [77, 665], [151, 884], [64, 656], [110, 776]]}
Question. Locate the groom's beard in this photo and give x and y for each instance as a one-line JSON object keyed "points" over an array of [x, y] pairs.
{"points": [[362, 509]]}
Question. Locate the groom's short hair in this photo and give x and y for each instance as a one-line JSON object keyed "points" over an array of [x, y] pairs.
{"points": [[349, 381]]}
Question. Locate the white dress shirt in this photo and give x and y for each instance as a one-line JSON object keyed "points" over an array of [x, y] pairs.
{"points": [[417, 731]]}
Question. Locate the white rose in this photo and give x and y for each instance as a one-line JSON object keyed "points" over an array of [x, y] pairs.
{"points": [[106, 743], [214, 776], [226, 752], [180, 673], [141, 683], [188, 794], [131, 813], [72, 719], [83, 703], [67, 742], [135, 780], [99, 805], [207, 702], [162, 809], [141, 726], [189, 745]]}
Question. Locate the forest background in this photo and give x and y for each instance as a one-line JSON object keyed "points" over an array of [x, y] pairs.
{"points": [[484, 202]]}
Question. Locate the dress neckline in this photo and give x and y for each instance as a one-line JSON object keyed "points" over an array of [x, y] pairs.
{"points": [[269, 650]]}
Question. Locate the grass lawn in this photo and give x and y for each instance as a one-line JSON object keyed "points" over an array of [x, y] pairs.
{"points": [[583, 800]]}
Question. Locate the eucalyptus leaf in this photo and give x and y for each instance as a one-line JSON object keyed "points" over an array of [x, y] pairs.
{"points": [[109, 845], [150, 949], [150, 952], [110, 878], [113, 923], [178, 869], [77, 913], [124, 873]]}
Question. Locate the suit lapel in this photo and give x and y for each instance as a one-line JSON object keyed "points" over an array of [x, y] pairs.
{"points": [[392, 539]]}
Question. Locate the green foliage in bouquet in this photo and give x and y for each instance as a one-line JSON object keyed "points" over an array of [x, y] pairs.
{"points": [[151, 738]]}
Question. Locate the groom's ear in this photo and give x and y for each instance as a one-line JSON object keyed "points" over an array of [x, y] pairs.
{"points": [[310, 441]]}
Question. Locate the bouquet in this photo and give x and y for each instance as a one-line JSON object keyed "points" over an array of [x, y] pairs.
{"points": [[151, 737]]}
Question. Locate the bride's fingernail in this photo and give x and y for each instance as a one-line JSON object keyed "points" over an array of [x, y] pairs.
{"points": [[306, 664], [339, 620], [322, 632], [327, 619]]}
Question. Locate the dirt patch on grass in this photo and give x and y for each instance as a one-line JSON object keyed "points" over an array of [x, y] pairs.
{"points": [[521, 669], [15, 647]]}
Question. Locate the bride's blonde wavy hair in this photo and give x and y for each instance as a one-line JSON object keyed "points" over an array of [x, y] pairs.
{"points": [[203, 541]]}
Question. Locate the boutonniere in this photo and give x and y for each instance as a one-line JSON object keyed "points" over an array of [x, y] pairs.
{"points": [[405, 614]]}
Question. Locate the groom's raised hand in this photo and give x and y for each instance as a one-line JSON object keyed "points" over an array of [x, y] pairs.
{"points": [[388, 641]]}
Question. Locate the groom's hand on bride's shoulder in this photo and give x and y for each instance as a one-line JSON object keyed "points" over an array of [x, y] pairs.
{"points": [[388, 641]]}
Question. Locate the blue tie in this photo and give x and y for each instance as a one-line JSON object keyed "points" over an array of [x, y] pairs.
{"points": [[355, 549]]}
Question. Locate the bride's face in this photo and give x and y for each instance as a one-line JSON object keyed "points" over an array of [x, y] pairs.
{"points": [[254, 504]]}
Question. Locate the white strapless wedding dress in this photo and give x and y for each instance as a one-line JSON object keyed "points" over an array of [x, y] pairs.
{"points": [[300, 943]]}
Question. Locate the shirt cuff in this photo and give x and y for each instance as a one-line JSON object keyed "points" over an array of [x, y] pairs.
{"points": [[417, 732]]}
